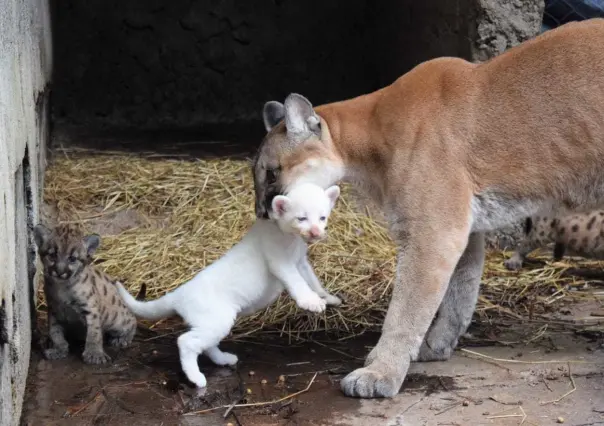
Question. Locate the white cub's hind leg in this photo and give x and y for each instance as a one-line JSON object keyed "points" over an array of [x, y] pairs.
{"points": [[199, 339], [219, 357]]}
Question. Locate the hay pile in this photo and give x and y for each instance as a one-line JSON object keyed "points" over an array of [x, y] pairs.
{"points": [[188, 213]]}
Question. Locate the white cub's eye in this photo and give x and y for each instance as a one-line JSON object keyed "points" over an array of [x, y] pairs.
{"points": [[322, 218], [301, 219]]}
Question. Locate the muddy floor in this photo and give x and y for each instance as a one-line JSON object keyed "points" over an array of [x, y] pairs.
{"points": [[509, 385], [554, 379]]}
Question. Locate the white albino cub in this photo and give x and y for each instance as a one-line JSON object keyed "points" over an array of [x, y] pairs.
{"points": [[249, 277]]}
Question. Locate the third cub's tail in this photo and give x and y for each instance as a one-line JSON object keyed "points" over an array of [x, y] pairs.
{"points": [[152, 310]]}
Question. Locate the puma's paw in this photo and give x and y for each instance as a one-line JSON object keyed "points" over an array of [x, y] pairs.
{"points": [[332, 300], [426, 354], [371, 382], [311, 302]]}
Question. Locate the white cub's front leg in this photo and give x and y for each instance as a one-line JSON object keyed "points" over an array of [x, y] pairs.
{"points": [[219, 357], [298, 288], [308, 273]]}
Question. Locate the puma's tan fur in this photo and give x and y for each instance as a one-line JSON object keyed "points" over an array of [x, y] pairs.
{"points": [[450, 150]]}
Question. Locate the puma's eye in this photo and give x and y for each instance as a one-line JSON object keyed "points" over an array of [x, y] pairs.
{"points": [[271, 176], [301, 219], [72, 259]]}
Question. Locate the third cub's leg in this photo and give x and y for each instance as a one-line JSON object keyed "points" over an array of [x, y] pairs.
{"points": [[456, 310], [308, 273]]}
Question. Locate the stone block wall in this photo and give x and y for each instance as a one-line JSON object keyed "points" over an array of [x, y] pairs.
{"points": [[25, 69]]}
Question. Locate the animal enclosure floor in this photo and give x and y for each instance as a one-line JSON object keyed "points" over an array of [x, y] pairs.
{"points": [[144, 386]]}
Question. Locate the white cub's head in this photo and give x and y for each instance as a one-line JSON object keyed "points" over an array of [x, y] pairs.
{"points": [[305, 210]]}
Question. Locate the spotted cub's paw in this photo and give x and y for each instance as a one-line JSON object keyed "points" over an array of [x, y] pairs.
{"points": [[56, 353], [513, 264], [332, 300], [95, 357], [120, 342], [311, 302]]}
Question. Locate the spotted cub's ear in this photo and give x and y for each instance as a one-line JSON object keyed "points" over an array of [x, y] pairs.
{"points": [[92, 243], [333, 192], [41, 235], [281, 205]]}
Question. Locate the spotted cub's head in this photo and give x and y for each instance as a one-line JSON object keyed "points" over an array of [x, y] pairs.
{"points": [[305, 210], [64, 250], [297, 149]]}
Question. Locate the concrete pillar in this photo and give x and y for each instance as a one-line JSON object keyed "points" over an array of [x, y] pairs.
{"points": [[25, 71]]}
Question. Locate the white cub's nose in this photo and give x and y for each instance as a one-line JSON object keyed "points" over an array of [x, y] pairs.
{"points": [[314, 232]]}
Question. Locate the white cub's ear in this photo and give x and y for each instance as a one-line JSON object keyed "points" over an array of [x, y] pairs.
{"points": [[300, 117], [333, 192], [281, 205], [272, 114]]}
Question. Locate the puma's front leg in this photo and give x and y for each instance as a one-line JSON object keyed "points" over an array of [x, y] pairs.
{"points": [[428, 252], [457, 307]]}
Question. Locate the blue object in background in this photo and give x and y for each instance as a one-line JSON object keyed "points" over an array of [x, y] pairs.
{"points": [[559, 12]]}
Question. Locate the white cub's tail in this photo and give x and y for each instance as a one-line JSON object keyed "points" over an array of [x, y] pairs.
{"points": [[152, 310]]}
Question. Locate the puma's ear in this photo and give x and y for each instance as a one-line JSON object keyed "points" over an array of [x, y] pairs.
{"points": [[300, 117], [281, 205], [272, 114], [41, 235], [333, 192]]}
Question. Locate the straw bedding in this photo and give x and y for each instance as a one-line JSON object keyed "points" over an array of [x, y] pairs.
{"points": [[188, 213]]}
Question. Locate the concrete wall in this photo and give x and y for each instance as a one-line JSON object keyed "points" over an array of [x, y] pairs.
{"points": [[194, 65], [183, 63], [25, 68]]}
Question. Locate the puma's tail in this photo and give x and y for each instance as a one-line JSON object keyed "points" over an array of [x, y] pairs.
{"points": [[152, 310]]}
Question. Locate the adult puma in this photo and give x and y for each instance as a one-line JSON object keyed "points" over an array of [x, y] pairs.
{"points": [[450, 150]]}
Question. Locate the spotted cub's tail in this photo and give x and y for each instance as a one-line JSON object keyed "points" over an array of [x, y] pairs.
{"points": [[152, 310]]}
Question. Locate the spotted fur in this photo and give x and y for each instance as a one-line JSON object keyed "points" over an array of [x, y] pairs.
{"points": [[579, 234], [82, 301]]}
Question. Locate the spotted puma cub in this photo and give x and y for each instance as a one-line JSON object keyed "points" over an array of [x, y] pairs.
{"points": [[82, 301], [581, 234]]}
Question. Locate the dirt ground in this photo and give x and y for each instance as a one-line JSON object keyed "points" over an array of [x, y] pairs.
{"points": [[144, 386], [553, 379]]}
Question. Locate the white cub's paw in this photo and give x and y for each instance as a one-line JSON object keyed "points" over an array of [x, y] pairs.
{"points": [[311, 302], [332, 300], [226, 358]]}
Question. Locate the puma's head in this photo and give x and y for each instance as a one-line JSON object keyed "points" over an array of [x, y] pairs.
{"points": [[297, 149]]}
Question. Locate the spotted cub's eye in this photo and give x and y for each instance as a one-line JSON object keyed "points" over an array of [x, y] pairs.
{"points": [[322, 218], [72, 259], [301, 219]]}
